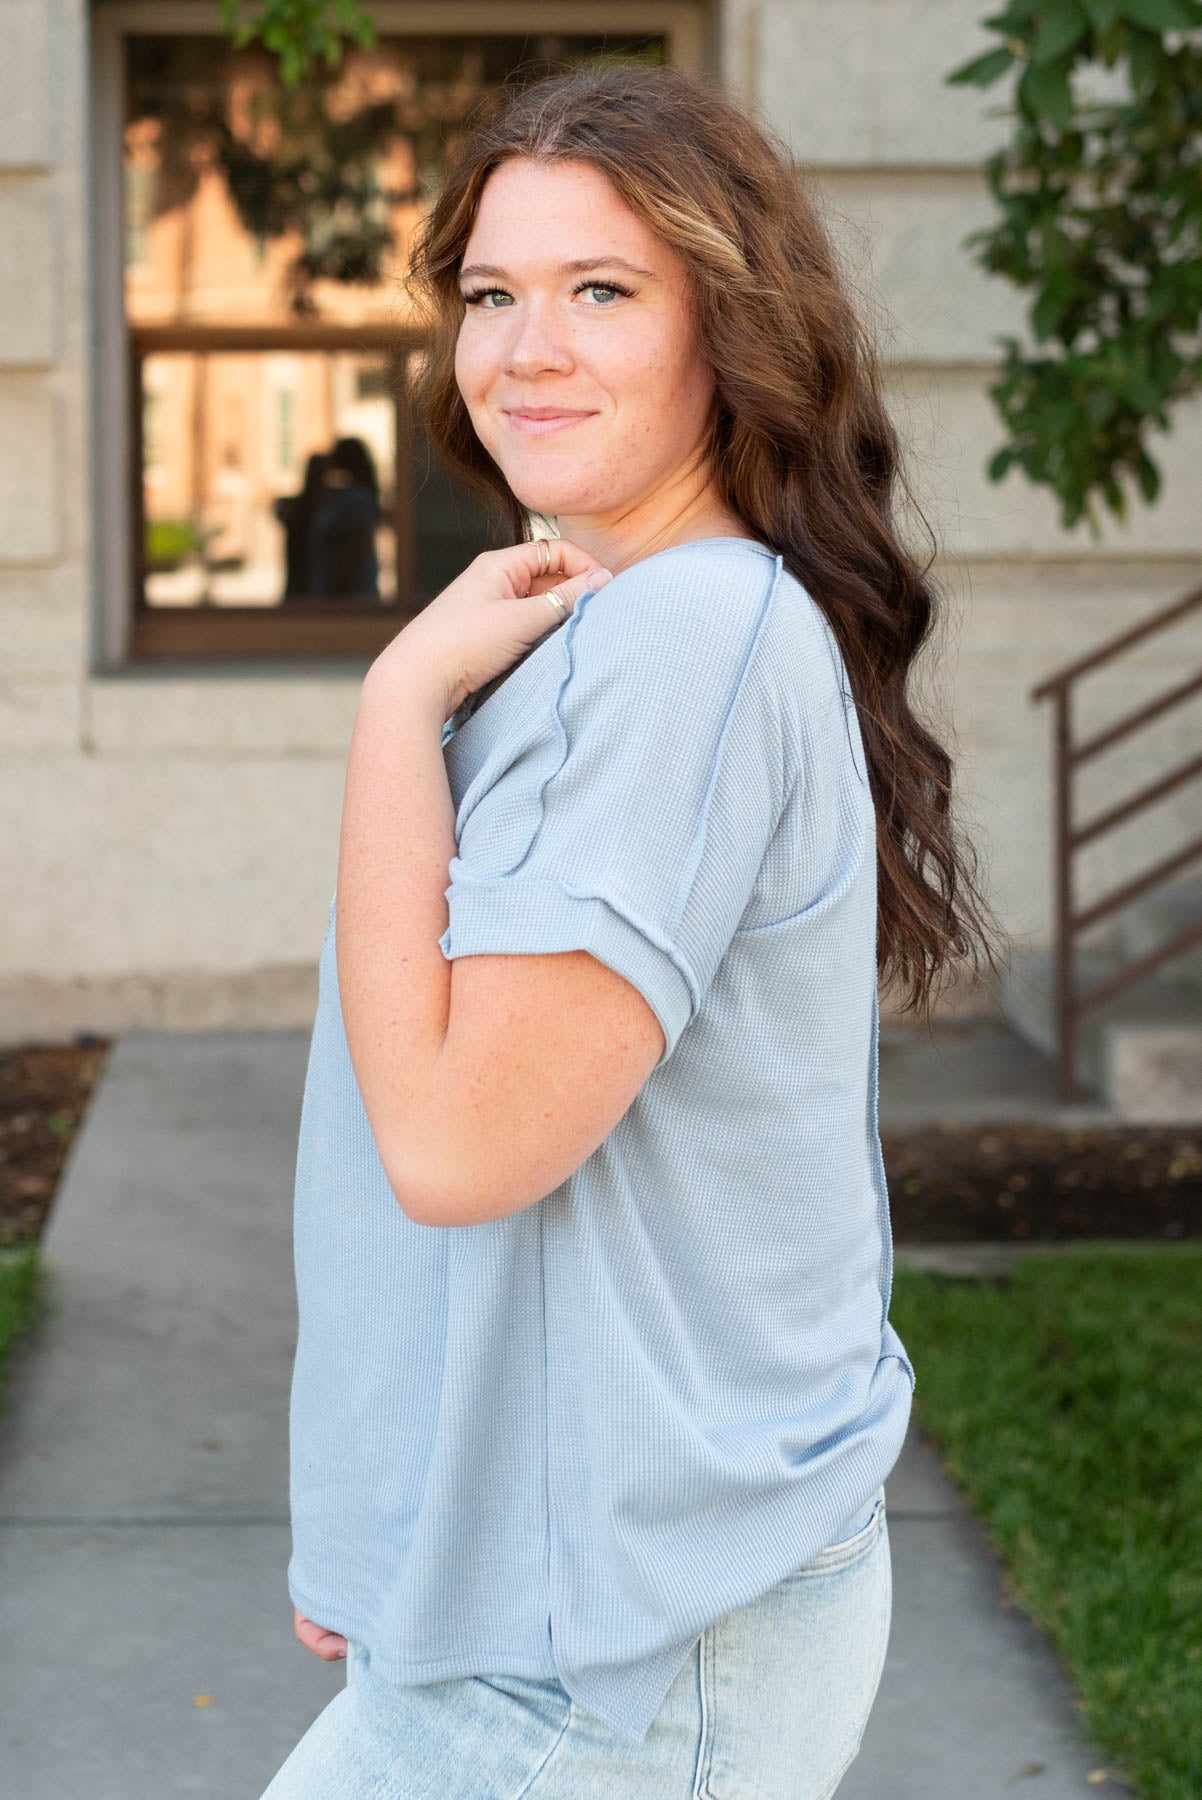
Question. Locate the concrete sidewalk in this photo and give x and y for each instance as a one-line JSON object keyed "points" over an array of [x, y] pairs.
{"points": [[147, 1630]]}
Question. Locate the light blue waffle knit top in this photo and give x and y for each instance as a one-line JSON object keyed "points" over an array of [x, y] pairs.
{"points": [[562, 1443]]}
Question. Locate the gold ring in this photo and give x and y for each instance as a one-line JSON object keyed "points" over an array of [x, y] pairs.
{"points": [[544, 555], [558, 602]]}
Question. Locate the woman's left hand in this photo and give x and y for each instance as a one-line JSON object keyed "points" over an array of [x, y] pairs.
{"points": [[490, 615]]}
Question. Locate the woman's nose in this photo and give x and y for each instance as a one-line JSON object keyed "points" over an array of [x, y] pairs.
{"points": [[536, 341]]}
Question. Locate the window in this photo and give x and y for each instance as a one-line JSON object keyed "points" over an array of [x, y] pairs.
{"points": [[282, 498]]}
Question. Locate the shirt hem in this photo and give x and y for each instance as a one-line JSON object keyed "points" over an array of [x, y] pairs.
{"points": [[417, 1671]]}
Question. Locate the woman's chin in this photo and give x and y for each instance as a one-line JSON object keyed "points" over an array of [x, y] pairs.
{"points": [[551, 499], [540, 487]]}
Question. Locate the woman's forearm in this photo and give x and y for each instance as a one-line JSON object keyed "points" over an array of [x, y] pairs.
{"points": [[396, 844]]}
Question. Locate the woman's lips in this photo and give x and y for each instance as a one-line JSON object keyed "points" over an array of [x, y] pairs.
{"points": [[528, 427]]}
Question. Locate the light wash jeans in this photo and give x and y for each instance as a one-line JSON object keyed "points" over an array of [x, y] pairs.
{"points": [[771, 1705]]}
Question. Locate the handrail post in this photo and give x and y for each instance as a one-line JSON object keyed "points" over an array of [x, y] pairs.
{"points": [[1069, 1003], [1065, 997]]}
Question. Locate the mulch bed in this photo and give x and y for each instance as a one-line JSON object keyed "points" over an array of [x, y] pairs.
{"points": [[44, 1092], [1002, 1183], [994, 1183]]}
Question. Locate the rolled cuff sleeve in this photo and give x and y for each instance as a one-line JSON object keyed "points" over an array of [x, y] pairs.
{"points": [[532, 916]]}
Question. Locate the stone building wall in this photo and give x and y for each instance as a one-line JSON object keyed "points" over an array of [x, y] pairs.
{"points": [[169, 838]]}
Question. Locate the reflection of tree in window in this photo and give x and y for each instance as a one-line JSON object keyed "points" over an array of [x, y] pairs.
{"points": [[330, 164]]}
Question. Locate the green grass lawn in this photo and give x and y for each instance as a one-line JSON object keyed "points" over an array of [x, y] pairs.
{"points": [[1067, 1404], [21, 1299]]}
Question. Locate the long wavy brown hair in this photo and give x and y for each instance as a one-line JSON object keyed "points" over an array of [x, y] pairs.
{"points": [[799, 443]]}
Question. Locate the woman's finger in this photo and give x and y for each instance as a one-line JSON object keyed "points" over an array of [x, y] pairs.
{"points": [[570, 591], [331, 1646], [544, 562]]}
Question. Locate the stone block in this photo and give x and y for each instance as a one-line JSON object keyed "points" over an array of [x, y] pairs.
{"points": [[900, 237], [950, 429], [38, 715], [167, 866], [25, 96], [29, 515], [30, 290], [862, 82], [1155, 1073], [145, 712], [43, 620]]}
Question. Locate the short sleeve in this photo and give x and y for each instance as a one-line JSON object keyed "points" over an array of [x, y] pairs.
{"points": [[633, 816]]}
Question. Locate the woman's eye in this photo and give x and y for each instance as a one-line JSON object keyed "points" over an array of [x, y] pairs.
{"points": [[607, 287], [477, 296], [474, 298]]}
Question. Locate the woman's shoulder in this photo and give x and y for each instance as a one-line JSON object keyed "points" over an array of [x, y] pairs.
{"points": [[713, 598], [744, 622], [708, 594], [743, 560]]}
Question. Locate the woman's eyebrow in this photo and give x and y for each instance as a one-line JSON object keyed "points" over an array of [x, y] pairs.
{"points": [[579, 267]]}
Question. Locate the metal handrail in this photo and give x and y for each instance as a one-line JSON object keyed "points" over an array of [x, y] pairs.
{"points": [[1058, 687], [1154, 622]]}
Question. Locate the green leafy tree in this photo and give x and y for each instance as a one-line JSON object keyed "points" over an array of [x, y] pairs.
{"points": [[298, 32], [1100, 208]]}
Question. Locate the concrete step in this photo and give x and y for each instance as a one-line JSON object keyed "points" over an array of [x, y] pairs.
{"points": [[1140, 1053], [1027, 997], [1150, 920]]}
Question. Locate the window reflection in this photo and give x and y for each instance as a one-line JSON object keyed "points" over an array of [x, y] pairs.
{"points": [[271, 479], [266, 236]]}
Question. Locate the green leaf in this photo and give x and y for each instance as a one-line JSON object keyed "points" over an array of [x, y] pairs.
{"points": [[1115, 498], [1146, 54], [1012, 20], [983, 69], [1161, 15], [1047, 93], [1000, 462], [1141, 391], [1046, 312], [1148, 476], [1101, 404], [299, 31], [1103, 14], [1061, 31]]}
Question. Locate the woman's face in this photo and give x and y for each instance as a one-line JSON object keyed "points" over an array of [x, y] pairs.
{"points": [[576, 357]]}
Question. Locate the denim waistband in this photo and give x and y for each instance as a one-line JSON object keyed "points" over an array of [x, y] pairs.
{"points": [[857, 1520]]}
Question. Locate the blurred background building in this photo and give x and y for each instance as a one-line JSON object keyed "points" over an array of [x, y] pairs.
{"points": [[216, 505]]}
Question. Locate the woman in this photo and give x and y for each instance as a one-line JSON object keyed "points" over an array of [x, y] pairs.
{"points": [[295, 513], [596, 1390], [344, 565]]}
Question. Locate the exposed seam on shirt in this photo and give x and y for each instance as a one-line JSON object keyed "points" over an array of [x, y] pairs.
{"points": [[702, 830], [565, 637], [884, 1211]]}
